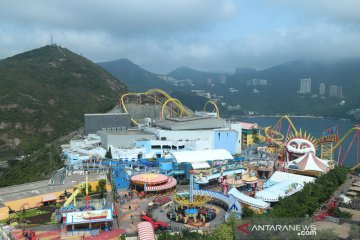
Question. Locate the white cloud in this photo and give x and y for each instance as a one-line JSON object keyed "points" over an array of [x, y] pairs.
{"points": [[161, 35], [335, 10], [118, 16]]}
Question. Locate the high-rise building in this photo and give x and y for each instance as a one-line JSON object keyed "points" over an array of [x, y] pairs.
{"points": [[322, 89], [305, 85], [222, 79], [335, 91], [255, 82], [339, 92], [263, 82], [332, 91]]}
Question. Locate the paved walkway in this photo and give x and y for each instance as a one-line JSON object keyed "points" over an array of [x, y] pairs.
{"points": [[131, 217], [43, 235]]}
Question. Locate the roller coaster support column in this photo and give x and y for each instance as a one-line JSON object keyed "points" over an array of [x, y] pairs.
{"points": [[357, 146], [348, 150]]}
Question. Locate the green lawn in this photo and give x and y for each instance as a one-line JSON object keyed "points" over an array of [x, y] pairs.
{"points": [[30, 213]]}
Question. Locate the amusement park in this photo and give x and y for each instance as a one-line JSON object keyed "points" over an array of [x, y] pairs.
{"points": [[152, 168]]}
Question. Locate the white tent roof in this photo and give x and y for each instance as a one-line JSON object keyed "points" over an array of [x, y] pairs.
{"points": [[345, 198], [283, 176], [282, 189], [309, 162], [202, 156], [200, 165], [254, 202]]}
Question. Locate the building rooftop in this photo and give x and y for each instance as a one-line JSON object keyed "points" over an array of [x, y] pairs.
{"points": [[202, 155], [126, 132], [104, 114], [190, 123], [248, 126]]}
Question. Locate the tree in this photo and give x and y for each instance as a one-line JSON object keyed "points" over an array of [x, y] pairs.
{"points": [[223, 232], [102, 187], [108, 154], [247, 212], [311, 196]]}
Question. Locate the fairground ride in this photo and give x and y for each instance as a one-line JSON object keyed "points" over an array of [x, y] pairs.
{"points": [[215, 107], [78, 189], [159, 97], [354, 135], [328, 143], [274, 133], [169, 105]]}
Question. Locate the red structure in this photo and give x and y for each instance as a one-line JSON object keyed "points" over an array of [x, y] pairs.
{"points": [[28, 234], [157, 225]]}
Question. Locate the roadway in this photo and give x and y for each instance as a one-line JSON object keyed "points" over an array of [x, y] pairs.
{"points": [[42, 187]]}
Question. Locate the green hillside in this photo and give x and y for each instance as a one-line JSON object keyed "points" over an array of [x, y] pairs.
{"points": [[43, 95]]}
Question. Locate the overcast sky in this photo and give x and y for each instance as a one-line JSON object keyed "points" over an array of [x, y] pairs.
{"points": [[161, 35]]}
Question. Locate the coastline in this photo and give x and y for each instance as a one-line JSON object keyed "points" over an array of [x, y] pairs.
{"points": [[290, 116]]}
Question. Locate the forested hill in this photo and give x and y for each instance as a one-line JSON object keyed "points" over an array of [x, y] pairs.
{"points": [[43, 95], [137, 78]]}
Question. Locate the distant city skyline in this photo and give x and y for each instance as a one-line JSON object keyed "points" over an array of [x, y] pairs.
{"points": [[210, 35]]}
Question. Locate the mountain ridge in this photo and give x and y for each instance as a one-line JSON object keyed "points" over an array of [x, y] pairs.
{"points": [[137, 78]]}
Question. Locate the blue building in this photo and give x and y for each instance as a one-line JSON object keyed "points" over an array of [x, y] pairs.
{"points": [[226, 139]]}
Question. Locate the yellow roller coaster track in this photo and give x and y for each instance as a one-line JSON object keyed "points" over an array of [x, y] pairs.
{"points": [[148, 93], [174, 101], [215, 107], [345, 136], [355, 167], [269, 131]]}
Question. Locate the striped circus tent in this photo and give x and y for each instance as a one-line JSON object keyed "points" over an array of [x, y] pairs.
{"points": [[145, 231], [309, 162]]}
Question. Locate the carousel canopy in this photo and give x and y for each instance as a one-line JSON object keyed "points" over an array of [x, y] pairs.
{"points": [[170, 184], [149, 179], [309, 162], [202, 156]]}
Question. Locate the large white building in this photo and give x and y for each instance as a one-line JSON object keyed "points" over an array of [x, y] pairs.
{"points": [[157, 139]]}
